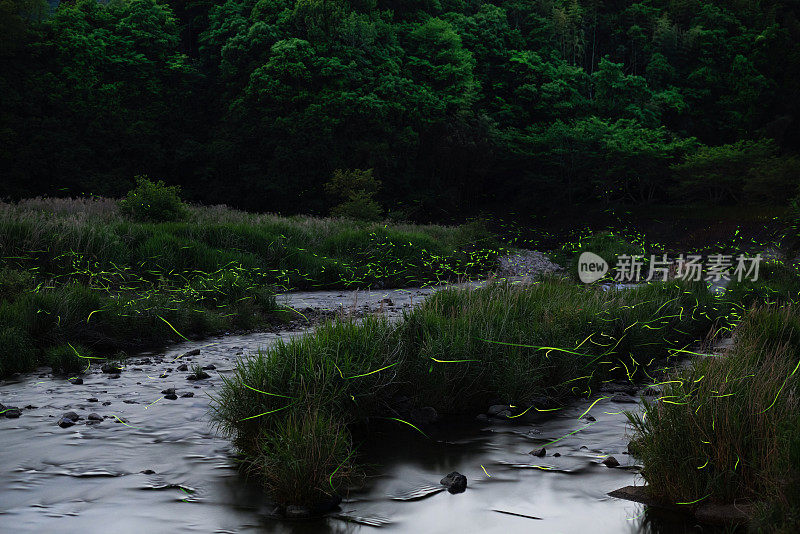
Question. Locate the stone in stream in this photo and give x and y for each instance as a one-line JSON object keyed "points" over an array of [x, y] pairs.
{"points": [[200, 375], [94, 417], [425, 416], [193, 352], [107, 403], [611, 462], [111, 368], [557, 455], [210, 367], [182, 367], [76, 381], [72, 416], [499, 411], [114, 376], [12, 412], [589, 418], [455, 482], [92, 399], [541, 453], [65, 423], [187, 395]]}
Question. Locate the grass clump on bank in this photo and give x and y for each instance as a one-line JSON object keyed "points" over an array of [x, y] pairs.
{"points": [[728, 429], [456, 352]]}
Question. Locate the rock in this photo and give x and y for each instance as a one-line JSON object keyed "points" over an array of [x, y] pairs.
{"points": [[187, 395], [624, 397], [589, 418], [107, 403], [114, 376], [111, 368], [163, 375], [526, 263], [72, 416], [76, 381], [387, 301], [13, 413], [210, 367], [65, 423], [182, 367], [200, 375], [30, 407], [168, 391], [93, 399], [148, 472], [455, 482], [499, 411], [425, 416], [126, 401], [170, 396], [619, 387], [297, 512], [94, 417], [541, 453], [193, 352], [610, 461], [557, 455]]}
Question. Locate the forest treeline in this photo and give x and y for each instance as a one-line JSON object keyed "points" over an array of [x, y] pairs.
{"points": [[456, 105]]}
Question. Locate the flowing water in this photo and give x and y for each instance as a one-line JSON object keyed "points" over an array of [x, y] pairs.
{"points": [[155, 465]]}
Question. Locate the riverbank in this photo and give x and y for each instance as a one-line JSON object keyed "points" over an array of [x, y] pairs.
{"points": [[81, 282]]}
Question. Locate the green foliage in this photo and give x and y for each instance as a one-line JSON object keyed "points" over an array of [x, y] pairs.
{"points": [[67, 359], [721, 174], [153, 201], [457, 351], [729, 431], [457, 106], [356, 188], [17, 353]]}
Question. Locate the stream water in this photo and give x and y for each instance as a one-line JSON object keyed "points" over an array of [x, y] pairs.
{"points": [[155, 465]]}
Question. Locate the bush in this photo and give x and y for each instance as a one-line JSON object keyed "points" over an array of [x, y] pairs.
{"points": [[728, 428], [17, 352], [153, 202], [356, 188], [67, 358]]}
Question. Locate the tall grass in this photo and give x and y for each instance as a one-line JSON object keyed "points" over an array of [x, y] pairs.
{"points": [[728, 429], [454, 353], [78, 271]]}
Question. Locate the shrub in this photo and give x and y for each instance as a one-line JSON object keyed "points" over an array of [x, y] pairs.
{"points": [[17, 352], [67, 358], [728, 428], [356, 188], [153, 201]]}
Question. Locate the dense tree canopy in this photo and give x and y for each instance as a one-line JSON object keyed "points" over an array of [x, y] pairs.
{"points": [[455, 105]]}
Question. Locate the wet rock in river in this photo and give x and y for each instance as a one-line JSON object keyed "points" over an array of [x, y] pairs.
{"points": [[200, 375], [114, 376], [557, 455], [589, 418], [610, 461], [72, 416], [425, 416], [76, 381], [106, 403], [541, 453], [92, 399], [187, 395], [170, 396], [193, 352], [94, 417], [499, 411], [182, 367], [111, 368], [210, 367], [455, 482], [12, 412]]}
